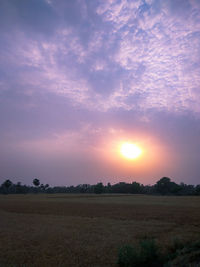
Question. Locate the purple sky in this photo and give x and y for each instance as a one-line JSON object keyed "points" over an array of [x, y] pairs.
{"points": [[77, 77]]}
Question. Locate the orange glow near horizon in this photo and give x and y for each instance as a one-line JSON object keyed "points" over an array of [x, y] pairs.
{"points": [[135, 160], [150, 157]]}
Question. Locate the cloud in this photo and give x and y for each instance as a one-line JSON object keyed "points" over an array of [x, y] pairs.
{"points": [[131, 50], [167, 46], [87, 73]]}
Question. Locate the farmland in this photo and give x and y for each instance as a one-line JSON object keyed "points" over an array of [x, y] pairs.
{"points": [[87, 230]]}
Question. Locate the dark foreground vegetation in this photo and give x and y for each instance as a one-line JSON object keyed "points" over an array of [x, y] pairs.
{"points": [[163, 187], [148, 253]]}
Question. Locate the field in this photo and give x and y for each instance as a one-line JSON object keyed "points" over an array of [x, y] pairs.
{"points": [[87, 230]]}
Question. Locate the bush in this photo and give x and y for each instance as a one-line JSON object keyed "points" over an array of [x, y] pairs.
{"points": [[128, 256], [185, 255], [146, 254], [149, 252]]}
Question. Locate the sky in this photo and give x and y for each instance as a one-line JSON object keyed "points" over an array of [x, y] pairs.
{"points": [[79, 77]]}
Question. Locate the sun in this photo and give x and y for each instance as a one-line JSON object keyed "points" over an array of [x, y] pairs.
{"points": [[130, 151]]}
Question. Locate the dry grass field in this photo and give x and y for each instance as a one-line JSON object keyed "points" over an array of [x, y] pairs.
{"points": [[87, 230]]}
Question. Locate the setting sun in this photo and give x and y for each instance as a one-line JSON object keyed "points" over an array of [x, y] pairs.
{"points": [[130, 151]]}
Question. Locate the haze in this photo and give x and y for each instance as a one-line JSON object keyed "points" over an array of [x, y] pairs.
{"points": [[78, 77]]}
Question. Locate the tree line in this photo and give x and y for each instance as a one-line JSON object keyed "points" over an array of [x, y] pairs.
{"points": [[164, 186]]}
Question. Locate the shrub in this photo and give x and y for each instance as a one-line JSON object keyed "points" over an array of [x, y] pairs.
{"points": [[149, 253], [185, 255], [128, 256], [146, 254]]}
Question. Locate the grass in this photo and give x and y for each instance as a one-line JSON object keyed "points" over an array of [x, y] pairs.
{"points": [[88, 230]]}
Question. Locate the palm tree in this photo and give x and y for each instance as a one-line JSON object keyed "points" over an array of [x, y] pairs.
{"points": [[7, 184], [36, 183]]}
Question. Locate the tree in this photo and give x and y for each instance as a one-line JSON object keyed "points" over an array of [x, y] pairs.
{"points": [[46, 186], [197, 189], [136, 188], [108, 188], [98, 188], [187, 189], [18, 188], [36, 182], [165, 186], [42, 187], [7, 184], [121, 187]]}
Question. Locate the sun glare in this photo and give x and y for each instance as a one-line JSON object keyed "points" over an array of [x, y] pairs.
{"points": [[130, 151]]}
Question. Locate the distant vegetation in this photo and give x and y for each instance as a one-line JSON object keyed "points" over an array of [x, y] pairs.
{"points": [[162, 187]]}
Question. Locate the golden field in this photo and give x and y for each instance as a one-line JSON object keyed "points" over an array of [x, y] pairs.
{"points": [[87, 230]]}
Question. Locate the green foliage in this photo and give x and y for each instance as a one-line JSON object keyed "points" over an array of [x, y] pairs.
{"points": [[146, 254]]}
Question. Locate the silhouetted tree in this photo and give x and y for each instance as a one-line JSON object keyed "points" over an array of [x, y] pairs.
{"points": [[186, 189], [46, 186], [42, 187], [136, 188], [36, 182], [197, 189], [98, 188], [164, 186], [18, 188], [121, 187], [108, 188], [6, 185]]}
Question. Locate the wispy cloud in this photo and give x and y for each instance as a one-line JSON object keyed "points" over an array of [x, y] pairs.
{"points": [[84, 67], [144, 51], [160, 50]]}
